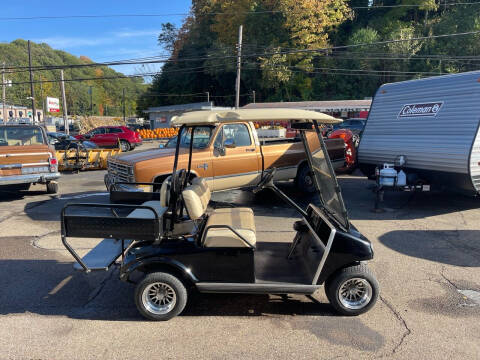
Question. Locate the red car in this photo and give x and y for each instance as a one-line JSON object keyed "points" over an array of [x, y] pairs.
{"points": [[107, 136]]}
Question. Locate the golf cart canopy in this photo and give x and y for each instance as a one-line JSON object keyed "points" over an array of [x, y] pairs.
{"points": [[214, 117]]}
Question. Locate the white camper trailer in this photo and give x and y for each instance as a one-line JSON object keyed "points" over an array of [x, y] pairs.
{"points": [[433, 125]]}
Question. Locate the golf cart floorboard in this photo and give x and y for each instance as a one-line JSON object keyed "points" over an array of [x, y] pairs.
{"points": [[102, 256], [272, 265]]}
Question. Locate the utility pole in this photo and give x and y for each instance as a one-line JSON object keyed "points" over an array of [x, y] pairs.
{"points": [[253, 93], [124, 113], [239, 64], [3, 94], [208, 96], [64, 103], [90, 90], [32, 89]]}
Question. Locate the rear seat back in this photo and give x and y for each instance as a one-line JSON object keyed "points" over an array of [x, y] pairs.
{"points": [[196, 198]]}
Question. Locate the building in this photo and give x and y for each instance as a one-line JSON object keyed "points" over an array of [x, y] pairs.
{"points": [[338, 108], [160, 117], [18, 112]]}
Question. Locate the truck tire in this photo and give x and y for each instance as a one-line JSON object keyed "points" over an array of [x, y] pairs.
{"points": [[125, 145], [352, 290], [52, 187], [304, 180], [160, 296]]}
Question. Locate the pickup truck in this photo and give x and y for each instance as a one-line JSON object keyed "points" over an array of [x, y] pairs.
{"points": [[228, 156], [26, 158]]}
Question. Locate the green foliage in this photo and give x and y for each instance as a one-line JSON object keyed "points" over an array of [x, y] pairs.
{"points": [[203, 54], [106, 93]]}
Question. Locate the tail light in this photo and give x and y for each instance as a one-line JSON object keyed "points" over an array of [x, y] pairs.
{"points": [[53, 164]]}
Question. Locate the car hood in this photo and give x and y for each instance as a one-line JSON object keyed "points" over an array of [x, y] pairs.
{"points": [[138, 156]]}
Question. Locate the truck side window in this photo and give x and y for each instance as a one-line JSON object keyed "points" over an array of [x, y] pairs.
{"points": [[238, 132]]}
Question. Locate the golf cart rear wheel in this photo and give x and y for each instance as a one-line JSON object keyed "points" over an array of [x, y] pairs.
{"points": [[160, 296], [352, 290]]}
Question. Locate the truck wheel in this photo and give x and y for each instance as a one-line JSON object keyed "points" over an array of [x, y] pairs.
{"points": [[52, 187], [160, 296], [352, 290], [305, 180], [124, 145]]}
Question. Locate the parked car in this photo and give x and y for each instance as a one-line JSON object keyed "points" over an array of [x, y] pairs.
{"points": [[111, 136], [228, 155], [63, 141], [26, 158], [354, 125]]}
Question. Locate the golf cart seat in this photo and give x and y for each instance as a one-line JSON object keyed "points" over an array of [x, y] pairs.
{"points": [[231, 227]]}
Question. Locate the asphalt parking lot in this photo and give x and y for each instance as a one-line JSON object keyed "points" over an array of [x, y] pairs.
{"points": [[427, 260]]}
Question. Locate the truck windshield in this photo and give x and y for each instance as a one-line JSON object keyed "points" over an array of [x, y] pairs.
{"points": [[21, 136], [327, 182], [201, 138]]}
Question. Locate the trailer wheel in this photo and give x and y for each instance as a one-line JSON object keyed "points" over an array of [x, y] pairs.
{"points": [[304, 179], [52, 187], [352, 290], [160, 296]]}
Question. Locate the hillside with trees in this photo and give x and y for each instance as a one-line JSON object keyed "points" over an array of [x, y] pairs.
{"points": [[312, 50], [105, 83]]}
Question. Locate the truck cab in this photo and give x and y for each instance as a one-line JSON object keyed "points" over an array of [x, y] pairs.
{"points": [[26, 158]]}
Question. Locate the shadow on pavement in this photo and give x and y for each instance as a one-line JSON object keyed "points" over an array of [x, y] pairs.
{"points": [[452, 247]]}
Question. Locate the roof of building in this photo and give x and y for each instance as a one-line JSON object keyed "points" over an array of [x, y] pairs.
{"points": [[328, 106], [186, 107], [212, 117]]}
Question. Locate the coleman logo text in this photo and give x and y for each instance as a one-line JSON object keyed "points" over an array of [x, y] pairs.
{"points": [[415, 110]]}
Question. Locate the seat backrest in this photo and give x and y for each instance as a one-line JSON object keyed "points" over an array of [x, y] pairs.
{"points": [[196, 198], [165, 192]]}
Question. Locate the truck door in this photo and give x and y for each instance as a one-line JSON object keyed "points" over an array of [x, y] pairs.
{"points": [[235, 158]]}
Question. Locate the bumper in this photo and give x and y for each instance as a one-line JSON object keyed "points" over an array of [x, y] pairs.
{"points": [[28, 179]]}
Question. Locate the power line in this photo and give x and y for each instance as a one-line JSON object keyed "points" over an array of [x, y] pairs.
{"points": [[62, 17]]}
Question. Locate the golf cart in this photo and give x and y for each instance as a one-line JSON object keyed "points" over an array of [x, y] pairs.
{"points": [[179, 243]]}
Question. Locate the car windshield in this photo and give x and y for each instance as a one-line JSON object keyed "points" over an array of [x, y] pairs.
{"points": [[21, 136], [327, 182], [201, 138]]}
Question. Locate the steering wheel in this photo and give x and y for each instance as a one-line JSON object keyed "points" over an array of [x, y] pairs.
{"points": [[266, 179]]}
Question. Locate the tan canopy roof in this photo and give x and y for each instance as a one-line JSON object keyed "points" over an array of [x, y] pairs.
{"points": [[224, 116]]}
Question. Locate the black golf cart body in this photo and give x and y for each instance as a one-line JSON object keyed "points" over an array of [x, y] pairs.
{"points": [[215, 250]]}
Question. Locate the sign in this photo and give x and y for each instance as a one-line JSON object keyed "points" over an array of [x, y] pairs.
{"points": [[420, 110], [53, 105]]}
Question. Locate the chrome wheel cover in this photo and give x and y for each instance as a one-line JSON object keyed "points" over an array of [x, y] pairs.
{"points": [[159, 298], [355, 293]]}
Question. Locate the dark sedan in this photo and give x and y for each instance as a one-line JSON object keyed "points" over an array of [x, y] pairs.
{"points": [[63, 141]]}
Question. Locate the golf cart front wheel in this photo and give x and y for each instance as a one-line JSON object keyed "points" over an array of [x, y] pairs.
{"points": [[352, 290], [160, 296]]}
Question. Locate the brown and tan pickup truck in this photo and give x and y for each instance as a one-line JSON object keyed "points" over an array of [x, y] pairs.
{"points": [[228, 156], [26, 158]]}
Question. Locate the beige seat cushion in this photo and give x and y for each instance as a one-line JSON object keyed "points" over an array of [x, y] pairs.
{"points": [[239, 219], [147, 214], [196, 198], [165, 192]]}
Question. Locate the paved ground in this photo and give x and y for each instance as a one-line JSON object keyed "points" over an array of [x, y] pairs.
{"points": [[427, 250]]}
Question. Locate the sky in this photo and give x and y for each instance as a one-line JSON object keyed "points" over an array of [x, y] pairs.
{"points": [[100, 39]]}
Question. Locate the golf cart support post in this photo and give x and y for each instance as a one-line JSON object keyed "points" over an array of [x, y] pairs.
{"points": [[179, 243]]}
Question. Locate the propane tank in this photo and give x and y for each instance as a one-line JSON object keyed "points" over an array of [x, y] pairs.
{"points": [[388, 175], [401, 178]]}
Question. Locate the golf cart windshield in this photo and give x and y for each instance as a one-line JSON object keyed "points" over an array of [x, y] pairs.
{"points": [[326, 182]]}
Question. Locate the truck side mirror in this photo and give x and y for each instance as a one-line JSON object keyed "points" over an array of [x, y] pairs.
{"points": [[229, 143]]}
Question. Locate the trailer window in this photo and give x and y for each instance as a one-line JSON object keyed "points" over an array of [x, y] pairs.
{"points": [[21, 136]]}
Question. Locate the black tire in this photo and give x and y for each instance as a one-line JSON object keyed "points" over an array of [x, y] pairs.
{"points": [[52, 187], [304, 180], [166, 282], [125, 146], [360, 278]]}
